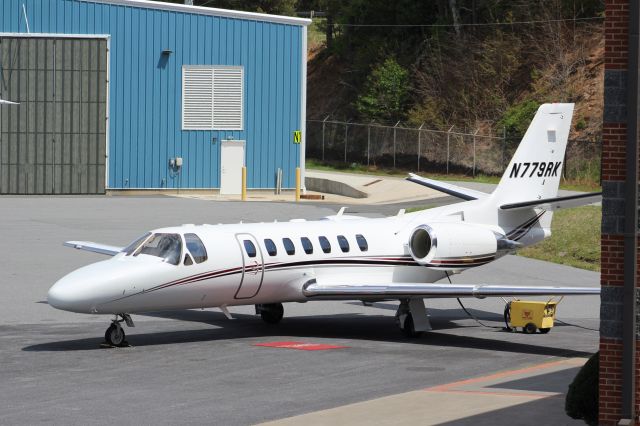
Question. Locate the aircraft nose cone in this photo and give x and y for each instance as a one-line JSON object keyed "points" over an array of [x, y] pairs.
{"points": [[65, 295]]}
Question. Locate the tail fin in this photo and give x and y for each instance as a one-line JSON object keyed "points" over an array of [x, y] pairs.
{"points": [[535, 170]]}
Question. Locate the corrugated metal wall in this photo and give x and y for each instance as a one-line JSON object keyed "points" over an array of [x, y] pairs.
{"points": [[146, 89], [54, 141]]}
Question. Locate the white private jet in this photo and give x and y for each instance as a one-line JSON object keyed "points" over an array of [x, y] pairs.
{"points": [[341, 257]]}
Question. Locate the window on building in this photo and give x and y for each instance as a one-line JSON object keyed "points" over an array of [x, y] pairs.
{"points": [[362, 242], [271, 247], [212, 97], [324, 244], [250, 248], [306, 245], [196, 248], [288, 246], [344, 244]]}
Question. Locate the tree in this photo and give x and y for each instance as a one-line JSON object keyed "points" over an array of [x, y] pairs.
{"points": [[385, 94]]}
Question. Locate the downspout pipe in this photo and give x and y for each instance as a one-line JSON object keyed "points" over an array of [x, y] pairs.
{"points": [[631, 221]]}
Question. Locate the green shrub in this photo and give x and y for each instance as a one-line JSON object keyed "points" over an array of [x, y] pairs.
{"points": [[386, 93], [517, 118], [582, 397], [581, 124]]}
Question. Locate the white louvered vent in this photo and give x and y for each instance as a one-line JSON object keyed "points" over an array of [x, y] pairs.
{"points": [[212, 98], [227, 98], [197, 98]]}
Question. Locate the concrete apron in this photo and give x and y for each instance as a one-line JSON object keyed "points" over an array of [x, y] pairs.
{"points": [[461, 402]]}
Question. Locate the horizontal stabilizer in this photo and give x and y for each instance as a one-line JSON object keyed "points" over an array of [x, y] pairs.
{"points": [[94, 247], [447, 188], [408, 290], [557, 202]]}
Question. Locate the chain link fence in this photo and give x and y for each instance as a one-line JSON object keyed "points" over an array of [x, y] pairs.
{"points": [[434, 151]]}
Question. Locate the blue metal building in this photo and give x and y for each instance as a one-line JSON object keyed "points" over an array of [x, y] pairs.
{"points": [[181, 85]]}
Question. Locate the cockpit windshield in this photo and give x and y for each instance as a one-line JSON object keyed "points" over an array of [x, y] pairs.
{"points": [[135, 244], [165, 246]]}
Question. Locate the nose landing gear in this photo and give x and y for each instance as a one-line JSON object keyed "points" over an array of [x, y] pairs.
{"points": [[115, 335]]}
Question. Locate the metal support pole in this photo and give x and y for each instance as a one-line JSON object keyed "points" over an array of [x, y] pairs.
{"points": [[346, 136], [324, 123], [504, 146], [631, 222], [244, 184], [448, 146], [368, 144], [394, 143], [297, 184], [474, 152], [419, 144]]}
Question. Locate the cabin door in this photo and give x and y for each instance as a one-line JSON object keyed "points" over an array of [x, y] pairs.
{"points": [[252, 267]]}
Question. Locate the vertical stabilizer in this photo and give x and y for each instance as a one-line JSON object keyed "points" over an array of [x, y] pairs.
{"points": [[535, 170]]}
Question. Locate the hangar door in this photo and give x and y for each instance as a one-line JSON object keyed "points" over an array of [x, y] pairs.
{"points": [[54, 142]]}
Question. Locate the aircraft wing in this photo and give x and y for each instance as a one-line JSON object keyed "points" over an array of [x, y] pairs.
{"points": [[418, 290], [557, 203], [447, 188], [94, 247]]}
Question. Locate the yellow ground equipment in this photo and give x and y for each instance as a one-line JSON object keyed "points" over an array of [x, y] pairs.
{"points": [[531, 315]]}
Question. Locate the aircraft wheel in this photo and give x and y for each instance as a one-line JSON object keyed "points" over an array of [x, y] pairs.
{"points": [[409, 329], [530, 328], [272, 313], [114, 335], [545, 330]]}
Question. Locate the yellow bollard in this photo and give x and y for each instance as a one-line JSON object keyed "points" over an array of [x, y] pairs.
{"points": [[297, 184], [244, 184]]}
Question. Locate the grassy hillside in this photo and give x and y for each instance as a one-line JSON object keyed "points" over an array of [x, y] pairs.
{"points": [[486, 77], [575, 239]]}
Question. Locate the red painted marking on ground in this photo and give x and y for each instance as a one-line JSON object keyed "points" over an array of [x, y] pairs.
{"points": [[499, 375], [301, 346]]}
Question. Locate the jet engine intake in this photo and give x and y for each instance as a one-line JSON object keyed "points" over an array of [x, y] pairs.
{"points": [[452, 245]]}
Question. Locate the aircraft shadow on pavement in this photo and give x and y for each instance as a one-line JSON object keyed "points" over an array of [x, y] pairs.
{"points": [[335, 326]]}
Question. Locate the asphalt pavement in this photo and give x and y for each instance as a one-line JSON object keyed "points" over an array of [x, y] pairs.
{"points": [[196, 366]]}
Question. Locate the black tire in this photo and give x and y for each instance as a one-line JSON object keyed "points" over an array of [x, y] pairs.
{"points": [[272, 313], [115, 335], [545, 330], [409, 329], [530, 328]]}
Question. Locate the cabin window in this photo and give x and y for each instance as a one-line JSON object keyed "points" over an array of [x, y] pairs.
{"points": [[306, 245], [168, 247], [288, 246], [250, 248], [271, 247], [324, 244], [187, 260], [196, 248], [134, 245], [362, 242], [344, 244]]}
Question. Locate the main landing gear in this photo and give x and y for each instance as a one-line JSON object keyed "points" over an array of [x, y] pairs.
{"points": [[271, 313], [115, 335], [412, 318]]}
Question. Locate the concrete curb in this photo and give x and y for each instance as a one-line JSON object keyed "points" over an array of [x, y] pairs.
{"points": [[329, 186]]}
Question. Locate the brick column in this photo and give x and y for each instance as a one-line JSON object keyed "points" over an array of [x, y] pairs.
{"points": [[614, 134]]}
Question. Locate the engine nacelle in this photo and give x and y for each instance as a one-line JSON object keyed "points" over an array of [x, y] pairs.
{"points": [[453, 245]]}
